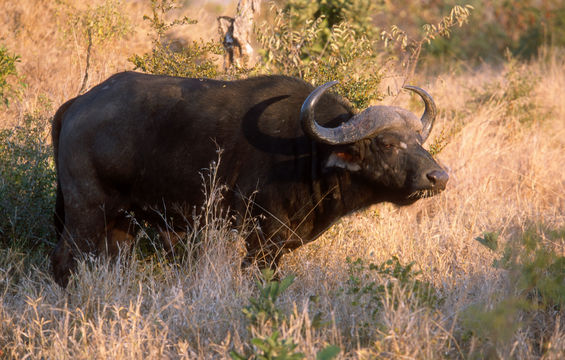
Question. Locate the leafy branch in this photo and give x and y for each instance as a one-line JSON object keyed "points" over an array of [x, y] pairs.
{"points": [[412, 48]]}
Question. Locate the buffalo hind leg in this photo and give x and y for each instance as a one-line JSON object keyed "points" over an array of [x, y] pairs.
{"points": [[79, 237], [59, 215], [63, 260], [89, 232]]}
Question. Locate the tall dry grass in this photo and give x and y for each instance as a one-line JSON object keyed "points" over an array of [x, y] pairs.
{"points": [[506, 176]]}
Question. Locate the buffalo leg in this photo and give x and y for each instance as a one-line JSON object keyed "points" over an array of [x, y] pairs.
{"points": [[266, 253], [120, 236], [92, 229], [171, 238], [79, 236], [59, 215]]}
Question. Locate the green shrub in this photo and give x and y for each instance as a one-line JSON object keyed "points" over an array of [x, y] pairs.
{"points": [[95, 26], [489, 239], [536, 278], [263, 310], [515, 91], [317, 41], [194, 60], [347, 57], [521, 27], [408, 44], [8, 72], [369, 283], [27, 183], [537, 267], [332, 13]]}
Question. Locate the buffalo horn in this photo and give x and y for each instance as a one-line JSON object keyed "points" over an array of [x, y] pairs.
{"points": [[346, 133], [362, 125], [308, 117], [430, 111]]}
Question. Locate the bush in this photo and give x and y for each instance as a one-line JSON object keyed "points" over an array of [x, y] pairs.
{"points": [[285, 51], [335, 40], [536, 290], [369, 283], [348, 58], [357, 13], [521, 27], [95, 26], [317, 41], [27, 183], [264, 312], [7, 71], [515, 91], [194, 60]]}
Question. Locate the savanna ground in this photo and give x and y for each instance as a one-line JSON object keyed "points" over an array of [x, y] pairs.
{"points": [[475, 272]]}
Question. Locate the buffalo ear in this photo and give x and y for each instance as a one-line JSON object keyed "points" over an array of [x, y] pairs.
{"points": [[344, 160]]}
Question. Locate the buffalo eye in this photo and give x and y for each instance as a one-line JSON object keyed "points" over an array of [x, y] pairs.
{"points": [[388, 145], [389, 142]]}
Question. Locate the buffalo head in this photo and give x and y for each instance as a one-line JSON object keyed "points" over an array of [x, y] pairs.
{"points": [[383, 146]]}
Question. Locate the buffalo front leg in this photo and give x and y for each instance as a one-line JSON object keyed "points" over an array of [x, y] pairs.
{"points": [[120, 236], [265, 252]]}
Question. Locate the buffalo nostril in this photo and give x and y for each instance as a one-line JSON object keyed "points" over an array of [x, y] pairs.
{"points": [[438, 178]]}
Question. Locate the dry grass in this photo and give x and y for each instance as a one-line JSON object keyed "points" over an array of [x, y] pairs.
{"points": [[506, 176]]}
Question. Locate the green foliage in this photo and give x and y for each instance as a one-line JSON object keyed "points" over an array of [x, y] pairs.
{"points": [[328, 353], [193, 60], [318, 41], [518, 89], [439, 142], [410, 46], [489, 239], [264, 311], [345, 56], [522, 27], [27, 179], [514, 91], [188, 62], [497, 324], [98, 25], [357, 13], [537, 268], [7, 70], [458, 15], [160, 8], [273, 348], [536, 272], [529, 24], [369, 293]]}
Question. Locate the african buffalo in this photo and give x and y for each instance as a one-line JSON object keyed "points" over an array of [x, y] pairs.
{"points": [[137, 142]]}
